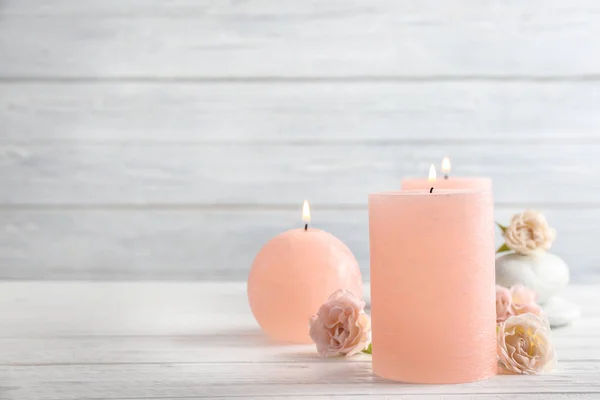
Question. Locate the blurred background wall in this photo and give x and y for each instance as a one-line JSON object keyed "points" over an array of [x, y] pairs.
{"points": [[171, 139]]}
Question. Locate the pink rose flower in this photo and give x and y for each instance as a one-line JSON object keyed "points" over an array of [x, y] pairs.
{"points": [[515, 301], [525, 345], [523, 301], [341, 325], [503, 303]]}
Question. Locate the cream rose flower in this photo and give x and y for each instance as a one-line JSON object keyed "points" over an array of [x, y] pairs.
{"points": [[341, 325], [525, 345], [528, 232]]}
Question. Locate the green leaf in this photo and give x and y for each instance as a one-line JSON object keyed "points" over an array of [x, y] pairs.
{"points": [[502, 227], [503, 248], [368, 350]]}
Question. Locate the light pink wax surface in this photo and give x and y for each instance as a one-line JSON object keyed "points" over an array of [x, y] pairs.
{"points": [[472, 183], [293, 275], [432, 286]]}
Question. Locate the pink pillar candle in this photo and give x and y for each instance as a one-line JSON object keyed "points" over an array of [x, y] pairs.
{"points": [[432, 285], [451, 183], [293, 275]]}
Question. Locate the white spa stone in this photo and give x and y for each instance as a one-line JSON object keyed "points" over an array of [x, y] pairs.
{"points": [[545, 273], [560, 311]]}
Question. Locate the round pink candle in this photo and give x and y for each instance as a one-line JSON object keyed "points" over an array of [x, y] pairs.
{"points": [[293, 275], [432, 285]]}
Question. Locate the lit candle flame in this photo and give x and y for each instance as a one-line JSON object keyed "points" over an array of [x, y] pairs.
{"points": [[431, 173], [446, 165], [305, 212]]}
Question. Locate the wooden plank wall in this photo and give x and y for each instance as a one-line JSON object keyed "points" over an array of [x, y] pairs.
{"points": [[171, 139]]}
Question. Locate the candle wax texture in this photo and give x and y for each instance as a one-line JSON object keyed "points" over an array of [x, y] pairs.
{"points": [[293, 275], [450, 183], [432, 285]]}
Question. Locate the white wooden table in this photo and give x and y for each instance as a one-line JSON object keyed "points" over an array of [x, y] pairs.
{"points": [[65, 341]]}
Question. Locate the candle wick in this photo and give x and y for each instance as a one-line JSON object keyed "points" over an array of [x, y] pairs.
{"points": [[431, 190], [446, 176], [305, 227]]}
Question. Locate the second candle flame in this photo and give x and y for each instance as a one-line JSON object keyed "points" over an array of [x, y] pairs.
{"points": [[305, 212], [431, 173], [446, 165]]}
